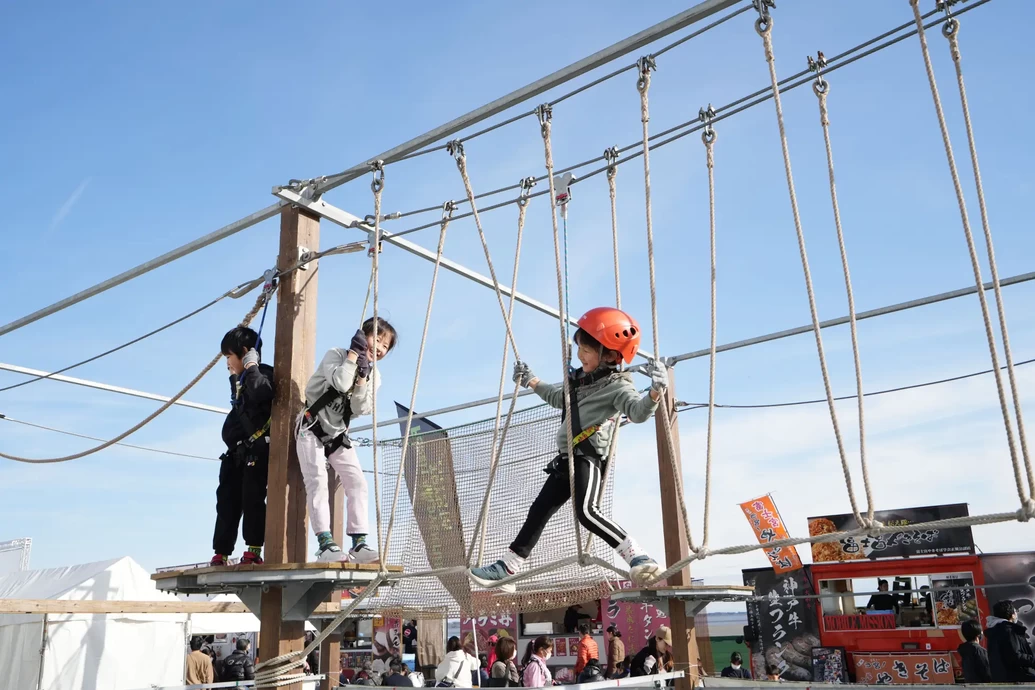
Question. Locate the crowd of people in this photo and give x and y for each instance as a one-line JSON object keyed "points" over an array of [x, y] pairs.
{"points": [[204, 667]]}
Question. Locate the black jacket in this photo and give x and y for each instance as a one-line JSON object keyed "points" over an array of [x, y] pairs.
{"points": [[730, 672], [592, 673], [398, 680], [975, 663], [238, 666], [639, 662], [1010, 656], [252, 407]]}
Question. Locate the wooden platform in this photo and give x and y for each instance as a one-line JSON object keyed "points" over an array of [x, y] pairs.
{"points": [[305, 585], [693, 597]]}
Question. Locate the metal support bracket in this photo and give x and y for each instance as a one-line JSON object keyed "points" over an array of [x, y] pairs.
{"points": [[304, 257]]}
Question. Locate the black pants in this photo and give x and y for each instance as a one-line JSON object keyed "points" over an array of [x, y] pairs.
{"points": [[242, 490], [556, 492]]}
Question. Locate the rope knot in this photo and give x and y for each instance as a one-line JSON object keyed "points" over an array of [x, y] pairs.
{"points": [[702, 553], [867, 523], [545, 113], [1027, 510]]}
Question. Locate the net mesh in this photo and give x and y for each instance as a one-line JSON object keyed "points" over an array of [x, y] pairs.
{"points": [[444, 480]]}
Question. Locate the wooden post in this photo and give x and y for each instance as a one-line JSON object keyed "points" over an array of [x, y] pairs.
{"points": [[684, 637], [330, 649], [295, 355]]}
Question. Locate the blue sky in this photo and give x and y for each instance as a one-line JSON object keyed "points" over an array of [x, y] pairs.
{"points": [[133, 128]]}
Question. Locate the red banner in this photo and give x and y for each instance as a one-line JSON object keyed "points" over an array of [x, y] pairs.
{"points": [[636, 622], [768, 525], [884, 621], [888, 669]]}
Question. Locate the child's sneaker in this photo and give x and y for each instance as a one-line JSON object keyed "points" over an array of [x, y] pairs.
{"points": [[643, 569], [331, 553], [489, 576], [361, 553], [219, 560], [251, 558]]}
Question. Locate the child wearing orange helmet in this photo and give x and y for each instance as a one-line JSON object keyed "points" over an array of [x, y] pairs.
{"points": [[600, 394]]}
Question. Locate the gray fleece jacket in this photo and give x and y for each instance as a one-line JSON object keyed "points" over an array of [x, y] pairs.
{"points": [[336, 370], [600, 402]]}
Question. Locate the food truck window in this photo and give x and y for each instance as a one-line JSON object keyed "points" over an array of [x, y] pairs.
{"points": [[858, 603], [557, 621]]}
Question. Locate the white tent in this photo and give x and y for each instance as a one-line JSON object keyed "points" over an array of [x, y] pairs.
{"points": [[89, 652]]}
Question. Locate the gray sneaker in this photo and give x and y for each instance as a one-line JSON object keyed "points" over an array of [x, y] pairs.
{"points": [[643, 569], [489, 577]]}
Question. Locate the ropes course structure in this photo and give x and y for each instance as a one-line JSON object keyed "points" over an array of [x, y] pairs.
{"points": [[464, 485]]}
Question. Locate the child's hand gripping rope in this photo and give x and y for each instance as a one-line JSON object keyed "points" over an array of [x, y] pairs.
{"points": [[360, 345]]}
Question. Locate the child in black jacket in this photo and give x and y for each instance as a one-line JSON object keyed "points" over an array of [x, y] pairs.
{"points": [[245, 464]]}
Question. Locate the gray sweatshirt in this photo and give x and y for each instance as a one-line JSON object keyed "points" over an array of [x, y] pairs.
{"points": [[600, 402], [338, 371]]}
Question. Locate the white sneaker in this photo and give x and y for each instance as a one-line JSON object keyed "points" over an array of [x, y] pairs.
{"points": [[363, 554], [643, 569], [331, 553]]}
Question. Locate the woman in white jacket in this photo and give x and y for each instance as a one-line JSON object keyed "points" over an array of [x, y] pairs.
{"points": [[458, 668]]}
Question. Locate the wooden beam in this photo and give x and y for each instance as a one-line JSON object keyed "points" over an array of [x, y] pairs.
{"points": [[59, 606], [330, 649], [684, 638], [295, 355]]}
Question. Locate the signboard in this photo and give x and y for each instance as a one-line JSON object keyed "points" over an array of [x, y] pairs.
{"points": [[769, 527], [882, 621], [828, 665], [636, 622], [915, 542], [895, 669], [1013, 577], [503, 624], [955, 599], [785, 627]]}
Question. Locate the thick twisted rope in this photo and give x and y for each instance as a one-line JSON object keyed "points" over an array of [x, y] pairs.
{"points": [[151, 417], [545, 114], [950, 29], [377, 186], [447, 215], [764, 27], [482, 525], [708, 137], [646, 64], [821, 88], [1026, 500]]}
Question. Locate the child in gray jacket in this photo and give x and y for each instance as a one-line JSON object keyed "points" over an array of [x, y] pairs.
{"points": [[600, 395]]}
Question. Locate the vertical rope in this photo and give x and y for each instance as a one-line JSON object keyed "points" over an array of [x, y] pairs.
{"points": [[482, 525], [447, 215], [974, 261], [708, 137], [764, 27], [545, 113], [950, 29], [377, 186], [646, 64], [821, 88]]}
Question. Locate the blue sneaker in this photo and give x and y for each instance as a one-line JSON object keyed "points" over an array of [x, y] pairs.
{"points": [[489, 576], [643, 569]]}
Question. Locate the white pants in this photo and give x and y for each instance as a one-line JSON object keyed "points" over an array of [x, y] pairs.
{"points": [[346, 465]]}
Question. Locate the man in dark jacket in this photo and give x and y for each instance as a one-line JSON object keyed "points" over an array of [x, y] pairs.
{"points": [[973, 655], [1010, 655], [245, 464], [736, 668], [396, 678], [238, 666]]}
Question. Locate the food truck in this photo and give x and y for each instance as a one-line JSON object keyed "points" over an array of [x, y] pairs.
{"points": [[831, 621]]}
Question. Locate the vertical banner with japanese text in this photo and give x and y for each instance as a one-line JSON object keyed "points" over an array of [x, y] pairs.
{"points": [[783, 621], [637, 622], [769, 527]]}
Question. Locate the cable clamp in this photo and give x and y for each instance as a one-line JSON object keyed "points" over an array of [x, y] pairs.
{"points": [[447, 210], [818, 64], [455, 148], [706, 115], [764, 23], [377, 167], [269, 280], [372, 242], [611, 158], [562, 188], [525, 194], [545, 113], [645, 65]]}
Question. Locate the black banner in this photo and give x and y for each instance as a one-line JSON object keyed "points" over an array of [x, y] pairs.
{"points": [[908, 542], [785, 628], [1013, 577]]}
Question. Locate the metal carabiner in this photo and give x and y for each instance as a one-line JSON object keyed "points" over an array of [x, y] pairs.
{"points": [[447, 210], [455, 148], [645, 65], [545, 113], [526, 190], [705, 116], [817, 65], [611, 158], [378, 169]]}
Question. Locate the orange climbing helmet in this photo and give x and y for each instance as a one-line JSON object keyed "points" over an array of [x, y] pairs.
{"points": [[614, 329]]}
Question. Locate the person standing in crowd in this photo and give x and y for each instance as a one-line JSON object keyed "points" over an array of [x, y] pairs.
{"points": [[1010, 656], [396, 678], [366, 674], [973, 656], [503, 673], [537, 673], [615, 651], [656, 657], [238, 666], [572, 615], [491, 652], [199, 664], [483, 669], [591, 672], [588, 649], [736, 668], [458, 667], [883, 600], [410, 641]]}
